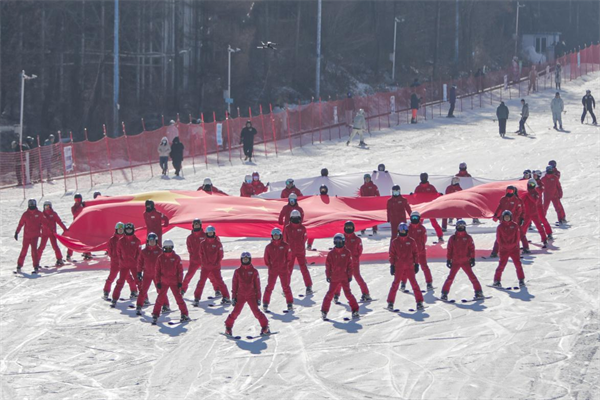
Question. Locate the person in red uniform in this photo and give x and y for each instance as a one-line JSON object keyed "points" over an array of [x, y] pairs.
{"points": [[354, 244], [211, 255], [155, 220], [193, 246], [553, 194], [76, 209], [246, 290], [552, 163], [508, 236], [289, 189], [284, 214], [169, 275], [114, 261], [404, 264], [418, 233], [128, 252], [541, 189], [209, 188], [247, 189], [462, 170], [461, 255], [295, 235], [51, 219], [452, 188], [324, 196], [338, 272], [32, 220], [426, 187], [258, 186], [531, 204], [397, 210], [146, 272], [278, 255], [368, 189], [514, 204], [526, 175]]}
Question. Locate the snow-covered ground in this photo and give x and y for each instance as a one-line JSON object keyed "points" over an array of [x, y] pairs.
{"points": [[59, 340]]}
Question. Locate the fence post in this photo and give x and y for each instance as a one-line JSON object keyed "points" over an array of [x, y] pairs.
{"points": [[239, 120], [262, 123], [62, 156], [87, 155], [287, 120], [216, 139], [227, 118], [74, 161], [40, 161], [108, 153], [273, 128], [204, 139], [321, 122], [127, 147]]}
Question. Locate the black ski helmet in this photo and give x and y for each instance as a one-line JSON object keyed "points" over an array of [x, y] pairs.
{"points": [[151, 236], [323, 189], [32, 204], [149, 205], [381, 168], [246, 255], [461, 225], [78, 196], [96, 194], [324, 172], [339, 240], [196, 220], [505, 213], [295, 217], [349, 227], [415, 217], [424, 177], [129, 227]]}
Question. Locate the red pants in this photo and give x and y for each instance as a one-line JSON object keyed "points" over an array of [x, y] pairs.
{"points": [[424, 268], [454, 270], [125, 274], [190, 274], [414, 114], [215, 276], [163, 299], [544, 222], [303, 268], [237, 309], [144, 286], [284, 279], [436, 227], [34, 251], [402, 274], [358, 278], [558, 207], [114, 271], [516, 258], [54, 244], [538, 225], [333, 286]]}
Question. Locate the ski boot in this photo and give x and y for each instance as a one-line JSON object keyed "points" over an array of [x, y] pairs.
{"points": [[184, 318], [366, 297], [59, 262], [444, 296], [390, 306], [106, 294], [526, 251], [550, 237], [361, 143], [545, 245], [36, 269], [429, 286], [347, 143], [478, 295], [323, 315], [309, 290], [146, 302], [69, 259], [18, 271], [228, 331], [444, 229], [196, 303], [154, 319], [113, 304], [522, 283], [308, 246], [420, 306], [497, 284], [290, 307], [336, 299], [355, 315], [225, 301], [138, 310], [265, 307], [265, 331], [403, 286], [440, 239], [165, 309], [476, 221], [87, 256], [218, 293], [493, 255], [133, 295]]}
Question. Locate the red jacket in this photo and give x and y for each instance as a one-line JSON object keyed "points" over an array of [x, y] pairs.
{"points": [[278, 256], [33, 221], [51, 218], [461, 248], [295, 236], [155, 221], [513, 204], [508, 236], [338, 265], [540, 187], [246, 283], [214, 190], [369, 189], [128, 251], [76, 209], [418, 233], [211, 252], [193, 246], [463, 174], [453, 189], [284, 215], [259, 187], [531, 203], [557, 173], [168, 269], [403, 252], [354, 244], [285, 193], [147, 260], [112, 249], [553, 189], [247, 190], [425, 188], [397, 210]]}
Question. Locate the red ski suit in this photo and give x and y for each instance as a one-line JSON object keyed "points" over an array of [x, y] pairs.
{"points": [[169, 275], [369, 189], [193, 246], [246, 289], [532, 209], [214, 189], [295, 236], [247, 190], [404, 254], [76, 209], [147, 266], [284, 214], [418, 233], [553, 194], [114, 265], [397, 211], [338, 270], [155, 221], [557, 173], [450, 189], [285, 193], [259, 187], [211, 254], [461, 249], [51, 218], [354, 244], [515, 205], [429, 188], [463, 174], [32, 220], [508, 235], [128, 252], [278, 256]]}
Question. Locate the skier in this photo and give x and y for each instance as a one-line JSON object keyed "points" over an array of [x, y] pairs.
{"points": [[533, 75], [541, 189], [246, 289], [258, 186], [524, 116], [404, 256], [588, 106], [247, 189], [247, 138], [177, 154], [556, 172], [462, 173], [368, 189], [514, 204], [526, 175], [452, 188], [557, 106], [507, 235], [164, 149], [97, 194], [114, 262], [277, 259], [418, 233], [76, 209], [208, 187], [324, 192], [397, 210], [193, 246], [295, 235], [211, 255], [426, 187], [557, 75], [452, 100], [324, 172], [128, 252], [380, 168], [32, 220], [289, 189], [531, 201], [146, 272], [461, 255], [354, 244], [358, 127], [155, 220], [169, 275], [338, 272], [414, 105], [51, 218], [284, 214], [553, 194], [502, 115]]}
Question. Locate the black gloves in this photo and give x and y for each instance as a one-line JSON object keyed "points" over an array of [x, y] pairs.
{"points": [[472, 262], [179, 285], [140, 276], [159, 285], [17, 236], [449, 263], [411, 193], [328, 279], [416, 268], [233, 301], [392, 269], [349, 279]]}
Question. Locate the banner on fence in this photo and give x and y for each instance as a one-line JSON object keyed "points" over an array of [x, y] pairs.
{"points": [[220, 134], [68, 154]]}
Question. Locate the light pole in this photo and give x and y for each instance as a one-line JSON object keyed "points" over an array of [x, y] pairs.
{"points": [[396, 21], [517, 28], [23, 79], [228, 98], [318, 77]]}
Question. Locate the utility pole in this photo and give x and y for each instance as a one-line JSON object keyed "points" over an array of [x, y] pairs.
{"points": [[23, 79], [318, 83], [517, 28], [457, 33], [228, 98], [116, 73], [396, 21]]}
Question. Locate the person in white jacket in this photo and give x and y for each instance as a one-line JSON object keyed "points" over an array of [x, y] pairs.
{"points": [[164, 149], [358, 126], [557, 106]]}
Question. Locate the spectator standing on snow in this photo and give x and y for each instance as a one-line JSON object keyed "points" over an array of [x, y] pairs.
{"points": [[533, 75], [557, 106], [247, 139], [164, 149], [358, 126], [414, 106], [177, 155], [524, 116], [502, 115], [557, 75], [588, 105], [452, 100]]}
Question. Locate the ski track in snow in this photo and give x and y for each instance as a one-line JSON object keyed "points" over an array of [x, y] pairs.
{"points": [[60, 340]]}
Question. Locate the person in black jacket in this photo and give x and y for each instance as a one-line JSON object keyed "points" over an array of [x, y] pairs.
{"points": [[177, 154], [588, 106], [414, 105], [247, 139], [452, 100], [19, 160], [502, 115]]}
